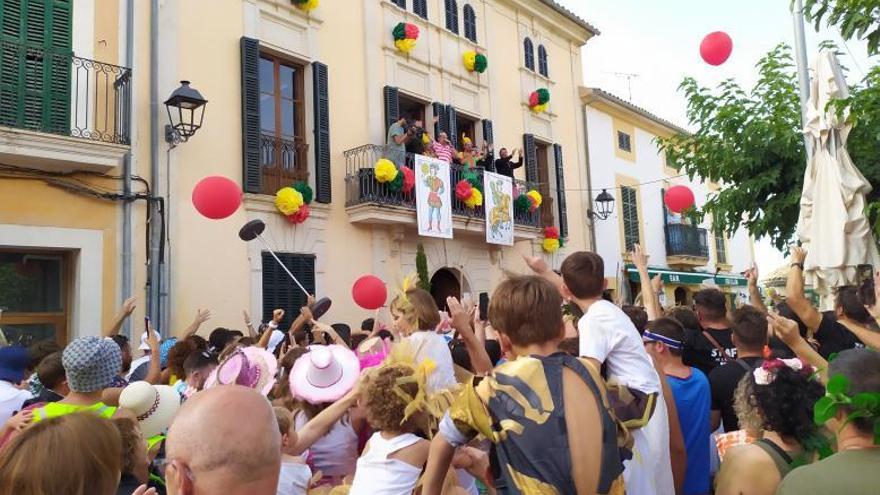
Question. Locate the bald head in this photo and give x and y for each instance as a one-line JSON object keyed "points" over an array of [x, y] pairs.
{"points": [[227, 437]]}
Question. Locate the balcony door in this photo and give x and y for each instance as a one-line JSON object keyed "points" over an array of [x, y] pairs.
{"points": [[282, 123]]}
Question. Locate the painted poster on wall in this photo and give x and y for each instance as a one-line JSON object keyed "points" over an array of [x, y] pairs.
{"points": [[499, 208], [433, 197]]}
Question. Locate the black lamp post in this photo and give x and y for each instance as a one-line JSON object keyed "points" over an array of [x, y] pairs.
{"points": [[604, 206], [186, 110]]}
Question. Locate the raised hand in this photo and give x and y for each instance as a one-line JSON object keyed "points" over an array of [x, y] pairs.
{"points": [[640, 257], [277, 315], [657, 284], [202, 315], [459, 316], [798, 254], [536, 264], [751, 275], [787, 330], [152, 340], [128, 306], [247, 317]]}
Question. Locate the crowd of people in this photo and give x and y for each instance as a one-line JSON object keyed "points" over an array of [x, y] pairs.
{"points": [[556, 390]]}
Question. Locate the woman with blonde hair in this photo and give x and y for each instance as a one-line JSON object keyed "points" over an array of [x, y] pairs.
{"points": [[74, 454], [415, 317]]}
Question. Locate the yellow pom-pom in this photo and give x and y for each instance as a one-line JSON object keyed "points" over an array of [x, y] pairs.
{"points": [[475, 200], [405, 45], [470, 59], [308, 5], [550, 245], [540, 108], [426, 139], [288, 200], [385, 170], [536, 196]]}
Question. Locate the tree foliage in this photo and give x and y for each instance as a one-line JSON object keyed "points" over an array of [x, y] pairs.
{"points": [[858, 19], [750, 142], [422, 268]]}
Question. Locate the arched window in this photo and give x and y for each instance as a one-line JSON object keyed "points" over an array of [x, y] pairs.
{"points": [[452, 16], [399, 3], [529, 48], [542, 60], [470, 23], [420, 7]]}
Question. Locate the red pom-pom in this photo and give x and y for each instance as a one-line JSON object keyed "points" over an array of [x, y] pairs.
{"points": [[412, 31], [551, 233], [716, 48], [678, 198], [463, 190], [409, 179], [300, 216], [533, 99], [216, 197], [369, 292]]}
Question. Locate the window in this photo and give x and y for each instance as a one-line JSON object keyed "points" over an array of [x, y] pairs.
{"points": [[420, 7], [282, 123], [542, 60], [544, 181], [452, 16], [281, 292], [33, 295], [720, 249], [630, 213], [399, 3], [470, 23], [529, 50], [624, 142]]}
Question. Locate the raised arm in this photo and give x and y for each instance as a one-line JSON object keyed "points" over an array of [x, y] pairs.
{"points": [[461, 321], [124, 312], [318, 426], [154, 372], [252, 332], [755, 298], [787, 330], [540, 268], [794, 291], [323, 327], [649, 295], [201, 317]]}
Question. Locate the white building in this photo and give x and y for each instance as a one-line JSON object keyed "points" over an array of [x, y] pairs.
{"points": [[625, 159]]}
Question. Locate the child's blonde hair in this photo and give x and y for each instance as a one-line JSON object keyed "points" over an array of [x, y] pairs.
{"points": [[418, 308], [384, 405]]}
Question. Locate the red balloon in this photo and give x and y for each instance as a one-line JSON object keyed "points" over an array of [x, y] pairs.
{"points": [[678, 198], [216, 197], [369, 292], [716, 48]]}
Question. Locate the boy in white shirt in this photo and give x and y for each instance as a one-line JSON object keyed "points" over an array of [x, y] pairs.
{"points": [[607, 336]]}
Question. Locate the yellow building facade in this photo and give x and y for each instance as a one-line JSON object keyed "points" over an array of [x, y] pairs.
{"points": [[292, 96]]}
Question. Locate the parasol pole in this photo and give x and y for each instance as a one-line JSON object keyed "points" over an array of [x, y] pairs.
{"points": [[800, 52]]}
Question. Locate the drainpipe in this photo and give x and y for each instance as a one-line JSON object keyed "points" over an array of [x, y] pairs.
{"points": [[590, 219], [155, 221], [126, 167]]}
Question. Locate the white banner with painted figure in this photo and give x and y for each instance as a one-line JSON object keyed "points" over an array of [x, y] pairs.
{"points": [[498, 194], [433, 197]]}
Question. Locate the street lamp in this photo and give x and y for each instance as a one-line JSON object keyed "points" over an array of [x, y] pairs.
{"points": [[605, 204], [186, 110]]}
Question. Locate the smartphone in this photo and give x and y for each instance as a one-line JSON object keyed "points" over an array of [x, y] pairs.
{"points": [[484, 306], [147, 324]]}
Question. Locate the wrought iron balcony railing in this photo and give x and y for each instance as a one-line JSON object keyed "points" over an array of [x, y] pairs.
{"points": [[361, 186], [686, 240], [283, 161], [58, 93]]}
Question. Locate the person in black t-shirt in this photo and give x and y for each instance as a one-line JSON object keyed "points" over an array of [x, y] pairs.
{"points": [[711, 345], [749, 336], [505, 165]]}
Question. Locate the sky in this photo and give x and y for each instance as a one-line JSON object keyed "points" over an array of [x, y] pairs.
{"points": [[658, 42]]}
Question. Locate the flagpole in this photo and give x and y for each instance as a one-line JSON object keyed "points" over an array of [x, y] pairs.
{"points": [[800, 52]]}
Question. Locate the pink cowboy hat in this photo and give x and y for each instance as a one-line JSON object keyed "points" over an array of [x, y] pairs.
{"points": [[252, 367], [324, 374]]}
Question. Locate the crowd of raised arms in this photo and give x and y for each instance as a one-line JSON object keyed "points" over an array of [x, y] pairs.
{"points": [[555, 390]]}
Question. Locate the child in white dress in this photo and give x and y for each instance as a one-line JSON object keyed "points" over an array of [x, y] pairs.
{"points": [[295, 473]]}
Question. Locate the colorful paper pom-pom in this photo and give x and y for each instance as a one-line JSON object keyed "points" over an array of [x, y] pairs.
{"points": [[405, 45], [411, 31], [385, 170], [464, 190], [543, 95], [300, 216], [551, 233], [399, 31], [536, 198], [396, 185], [306, 192], [533, 99], [470, 59], [426, 139], [540, 108], [475, 200], [288, 200], [481, 63], [522, 204], [306, 5], [409, 179], [550, 245]]}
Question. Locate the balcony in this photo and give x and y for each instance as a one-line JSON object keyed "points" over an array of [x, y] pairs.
{"points": [[686, 245], [60, 112], [283, 161], [369, 202]]}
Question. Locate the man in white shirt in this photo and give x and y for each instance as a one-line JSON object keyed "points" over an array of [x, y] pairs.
{"points": [[13, 362]]}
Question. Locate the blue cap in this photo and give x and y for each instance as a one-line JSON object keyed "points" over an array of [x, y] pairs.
{"points": [[14, 361]]}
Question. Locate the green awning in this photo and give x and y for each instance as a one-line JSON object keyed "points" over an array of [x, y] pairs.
{"points": [[688, 278]]}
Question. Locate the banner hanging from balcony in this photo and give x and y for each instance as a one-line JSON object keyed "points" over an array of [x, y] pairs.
{"points": [[433, 197], [499, 208]]}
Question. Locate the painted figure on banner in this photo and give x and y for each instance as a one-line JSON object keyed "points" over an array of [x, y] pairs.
{"points": [[499, 208], [433, 202]]}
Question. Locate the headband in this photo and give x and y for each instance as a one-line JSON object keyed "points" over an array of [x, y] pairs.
{"points": [[766, 373], [654, 337]]}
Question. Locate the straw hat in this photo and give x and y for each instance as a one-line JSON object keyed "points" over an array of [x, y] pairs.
{"points": [[154, 405], [324, 374], [252, 367]]}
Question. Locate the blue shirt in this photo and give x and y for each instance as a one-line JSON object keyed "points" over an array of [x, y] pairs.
{"points": [[692, 399]]}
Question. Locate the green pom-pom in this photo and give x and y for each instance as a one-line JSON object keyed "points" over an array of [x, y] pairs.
{"points": [[399, 31], [397, 184], [522, 204], [481, 63], [305, 190], [543, 96]]}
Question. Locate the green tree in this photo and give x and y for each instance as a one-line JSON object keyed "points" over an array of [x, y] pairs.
{"points": [[858, 19], [422, 268], [750, 142]]}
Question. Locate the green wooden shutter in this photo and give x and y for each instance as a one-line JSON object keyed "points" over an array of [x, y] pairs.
{"points": [[488, 133], [392, 106], [531, 156], [281, 292], [630, 213], [420, 7], [452, 125], [250, 115], [323, 190], [560, 192], [11, 62], [439, 111], [451, 15], [57, 68]]}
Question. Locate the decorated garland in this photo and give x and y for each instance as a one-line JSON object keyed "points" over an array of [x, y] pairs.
{"points": [[398, 180], [293, 202], [405, 36], [552, 241], [475, 62], [528, 202], [467, 193], [306, 5], [539, 100]]}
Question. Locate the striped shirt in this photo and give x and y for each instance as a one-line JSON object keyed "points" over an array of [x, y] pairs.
{"points": [[444, 152]]}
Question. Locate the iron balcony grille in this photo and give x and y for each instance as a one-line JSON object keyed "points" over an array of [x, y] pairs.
{"points": [[283, 162], [686, 240]]}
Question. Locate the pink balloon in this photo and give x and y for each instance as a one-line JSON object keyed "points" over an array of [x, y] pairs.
{"points": [[216, 197], [716, 48], [678, 198], [369, 292]]}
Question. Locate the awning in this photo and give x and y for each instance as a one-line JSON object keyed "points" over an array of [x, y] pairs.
{"points": [[689, 278]]}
